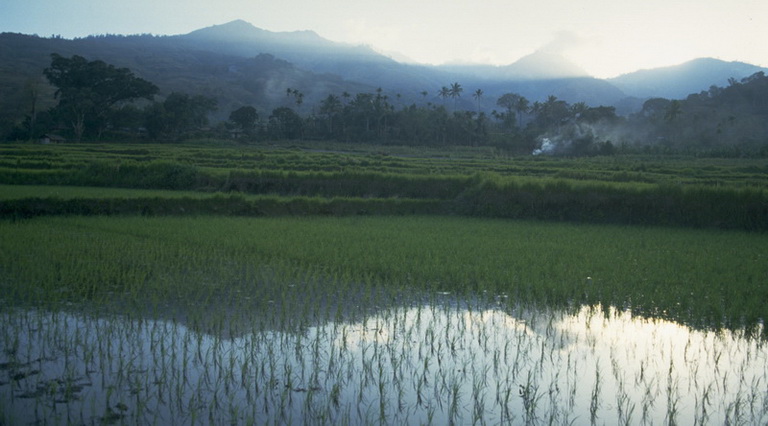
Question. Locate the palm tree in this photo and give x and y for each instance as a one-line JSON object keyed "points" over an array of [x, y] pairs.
{"points": [[444, 92], [522, 105], [477, 95], [298, 97], [455, 92], [330, 107], [513, 102]]}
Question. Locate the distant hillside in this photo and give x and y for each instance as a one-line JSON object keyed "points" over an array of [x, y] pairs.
{"points": [[537, 76], [308, 50], [540, 65], [239, 64], [259, 80], [677, 82]]}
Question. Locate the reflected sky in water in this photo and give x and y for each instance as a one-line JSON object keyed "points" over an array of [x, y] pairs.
{"points": [[435, 363]]}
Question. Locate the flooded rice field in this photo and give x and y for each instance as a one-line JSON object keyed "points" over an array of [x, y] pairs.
{"points": [[439, 363]]}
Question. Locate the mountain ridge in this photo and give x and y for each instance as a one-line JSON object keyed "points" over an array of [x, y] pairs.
{"points": [[675, 81], [681, 80], [227, 61]]}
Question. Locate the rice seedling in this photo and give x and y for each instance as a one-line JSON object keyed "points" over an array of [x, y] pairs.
{"points": [[147, 381], [375, 319]]}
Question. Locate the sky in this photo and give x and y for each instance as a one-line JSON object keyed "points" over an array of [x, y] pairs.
{"points": [[604, 37]]}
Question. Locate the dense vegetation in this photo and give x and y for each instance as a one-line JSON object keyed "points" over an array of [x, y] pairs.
{"points": [[345, 179], [94, 103]]}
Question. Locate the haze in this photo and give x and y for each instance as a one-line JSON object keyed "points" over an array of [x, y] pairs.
{"points": [[604, 37]]}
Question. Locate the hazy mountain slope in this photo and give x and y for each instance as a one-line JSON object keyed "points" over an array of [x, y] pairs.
{"points": [[590, 90], [211, 61], [308, 50], [536, 76], [243, 39], [540, 65], [240, 64], [677, 82], [258, 80]]}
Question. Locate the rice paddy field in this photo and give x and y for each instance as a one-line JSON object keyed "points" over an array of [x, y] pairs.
{"points": [[287, 285]]}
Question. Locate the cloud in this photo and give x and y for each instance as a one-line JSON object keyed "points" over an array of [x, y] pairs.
{"points": [[563, 42]]}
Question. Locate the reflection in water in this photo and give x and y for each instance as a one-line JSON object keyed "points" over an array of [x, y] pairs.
{"points": [[436, 363]]}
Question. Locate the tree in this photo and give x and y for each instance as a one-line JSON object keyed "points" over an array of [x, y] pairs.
{"points": [[594, 115], [477, 95], [654, 108], [245, 117], [180, 113], [284, 123], [522, 106], [553, 113], [513, 102], [673, 111], [330, 108], [298, 97], [444, 92], [89, 90], [455, 92]]}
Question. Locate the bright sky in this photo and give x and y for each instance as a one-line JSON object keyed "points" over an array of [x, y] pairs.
{"points": [[605, 37]]}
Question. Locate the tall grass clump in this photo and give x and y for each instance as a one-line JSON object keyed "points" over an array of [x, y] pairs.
{"points": [[594, 202]]}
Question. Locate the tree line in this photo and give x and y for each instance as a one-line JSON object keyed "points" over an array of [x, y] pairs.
{"points": [[97, 100]]}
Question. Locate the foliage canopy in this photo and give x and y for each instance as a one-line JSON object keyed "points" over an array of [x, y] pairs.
{"points": [[88, 90]]}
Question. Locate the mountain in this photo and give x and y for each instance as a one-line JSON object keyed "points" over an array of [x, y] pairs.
{"points": [[537, 76], [300, 47], [306, 49], [677, 82], [258, 79], [540, 65], [240, 64]]}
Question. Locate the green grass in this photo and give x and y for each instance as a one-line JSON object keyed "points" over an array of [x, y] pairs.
{"points": [[16, 192], [703, 278], [672, 191], [307, 157]]}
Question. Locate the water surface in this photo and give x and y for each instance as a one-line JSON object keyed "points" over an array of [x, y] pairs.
{"points": [[425, 363]]}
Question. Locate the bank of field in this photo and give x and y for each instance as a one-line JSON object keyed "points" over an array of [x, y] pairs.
{"points": [[350, 179], [702, 278]]}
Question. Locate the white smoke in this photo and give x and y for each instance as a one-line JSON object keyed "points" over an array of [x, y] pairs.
{"points": [[547, 147], [577, 138]]}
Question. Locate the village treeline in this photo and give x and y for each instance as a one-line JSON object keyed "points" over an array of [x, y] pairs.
{"points": [[98, 102]]}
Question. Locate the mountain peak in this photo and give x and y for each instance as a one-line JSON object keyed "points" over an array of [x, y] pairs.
{"points": [[234, 29], [543, 64], [237, 23], [240, 31]]}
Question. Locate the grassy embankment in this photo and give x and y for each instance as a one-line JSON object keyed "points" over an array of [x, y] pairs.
{"points": [[705, 193]]}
